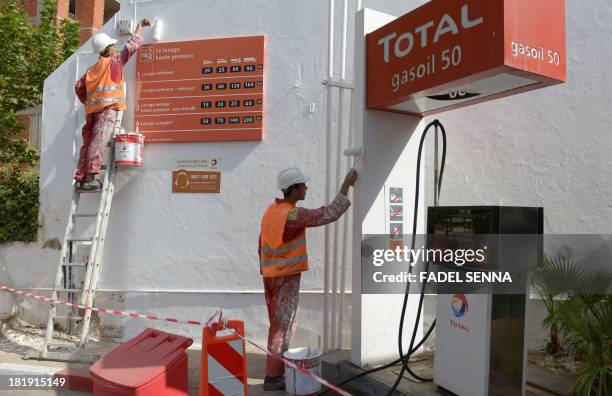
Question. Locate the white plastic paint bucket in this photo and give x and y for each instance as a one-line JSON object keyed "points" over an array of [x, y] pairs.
{"points": [[296, 382], [129, 148]]}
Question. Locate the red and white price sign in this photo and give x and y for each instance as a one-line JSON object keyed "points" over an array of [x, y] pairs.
{"points": [[202, 90]]}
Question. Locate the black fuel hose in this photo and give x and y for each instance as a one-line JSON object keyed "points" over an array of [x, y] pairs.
{"points": [[406, 357]]}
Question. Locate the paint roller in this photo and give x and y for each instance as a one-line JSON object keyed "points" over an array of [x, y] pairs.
{"points": [[355, 152], [157, 29]]}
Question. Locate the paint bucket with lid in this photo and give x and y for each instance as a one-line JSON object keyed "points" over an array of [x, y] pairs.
{"points": [[296, 382], [129, 148]]}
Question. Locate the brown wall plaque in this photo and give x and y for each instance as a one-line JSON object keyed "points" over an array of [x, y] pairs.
{"points": [[184, 181]]}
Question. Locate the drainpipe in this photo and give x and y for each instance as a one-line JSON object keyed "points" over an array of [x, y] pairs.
{"points": [[339, 146], [328, 182], [345, 220]]}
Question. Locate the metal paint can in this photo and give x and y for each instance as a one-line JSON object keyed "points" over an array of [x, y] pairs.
{"points": [[129, 148], [296, 382]]}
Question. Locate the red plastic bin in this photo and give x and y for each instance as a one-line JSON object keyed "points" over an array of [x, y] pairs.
{"points": [[152, 363]]}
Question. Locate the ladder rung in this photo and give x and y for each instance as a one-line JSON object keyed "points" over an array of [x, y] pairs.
{"points": [[80, 240], [97, 190], [85, 214], [69, 290], [74, 265]]}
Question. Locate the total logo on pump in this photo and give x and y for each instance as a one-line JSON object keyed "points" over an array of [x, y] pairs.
{"points": [[459, 307]]}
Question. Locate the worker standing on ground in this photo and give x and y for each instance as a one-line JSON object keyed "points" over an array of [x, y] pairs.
{"points": [[282, 257], [102, 91]]}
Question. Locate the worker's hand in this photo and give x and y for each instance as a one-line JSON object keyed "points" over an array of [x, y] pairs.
{"points": [[349, 180], [351, 177], [145, 22]]}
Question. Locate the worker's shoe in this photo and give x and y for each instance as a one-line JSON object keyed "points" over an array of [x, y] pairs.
{"points": [[274, 383], [95, 184]]}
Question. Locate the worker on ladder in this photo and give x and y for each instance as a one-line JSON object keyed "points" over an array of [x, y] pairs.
{"points": [[102, 91], [282, 258]]}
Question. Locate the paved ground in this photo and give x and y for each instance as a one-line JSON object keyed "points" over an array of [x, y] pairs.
{"points": [[337, 366], [14, 344]]}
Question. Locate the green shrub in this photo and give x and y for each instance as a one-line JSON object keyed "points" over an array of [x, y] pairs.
{"points": [[583, 317], [18, 203]]}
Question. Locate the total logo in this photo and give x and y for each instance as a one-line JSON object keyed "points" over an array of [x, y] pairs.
{"points": [[459, 307]]}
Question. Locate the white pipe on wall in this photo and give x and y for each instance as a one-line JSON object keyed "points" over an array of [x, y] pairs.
{"points": [[339, 146], [330, 75]]}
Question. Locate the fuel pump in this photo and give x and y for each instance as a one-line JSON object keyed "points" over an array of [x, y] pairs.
{"points": [[481, 346]]}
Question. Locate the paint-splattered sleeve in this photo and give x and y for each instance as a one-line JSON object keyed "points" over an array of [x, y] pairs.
{"points": [[300, 218], [131, 46], [134, 42]]}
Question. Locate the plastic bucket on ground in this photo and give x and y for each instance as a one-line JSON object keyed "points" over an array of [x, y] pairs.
{"points": [[129, 148], [296, 382]]}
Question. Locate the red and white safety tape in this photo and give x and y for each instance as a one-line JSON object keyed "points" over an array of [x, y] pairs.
{"points": [[102, 310], [173, 320]]}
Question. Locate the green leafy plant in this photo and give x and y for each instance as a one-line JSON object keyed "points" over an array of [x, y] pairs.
{"points": [[550, 281], [583, 317], [18, 204], [29, 54]]}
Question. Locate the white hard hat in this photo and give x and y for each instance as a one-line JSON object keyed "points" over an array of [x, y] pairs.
{"points": [[288, 177], [101, 41]]}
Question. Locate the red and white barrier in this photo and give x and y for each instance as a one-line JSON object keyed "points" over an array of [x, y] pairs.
{"points": [[223, 366]]}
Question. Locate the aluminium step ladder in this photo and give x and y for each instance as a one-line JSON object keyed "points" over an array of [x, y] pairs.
{"points": [[67, 351]]}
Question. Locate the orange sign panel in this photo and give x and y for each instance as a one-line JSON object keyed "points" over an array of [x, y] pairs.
{"points": [[203, 90], [449, 54], [184, 181]]}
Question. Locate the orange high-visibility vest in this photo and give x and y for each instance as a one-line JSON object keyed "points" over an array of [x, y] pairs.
{"points": [[278, 258], [102, 91]]}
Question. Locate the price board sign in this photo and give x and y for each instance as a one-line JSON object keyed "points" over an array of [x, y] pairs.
{"points": [[201, 90]]}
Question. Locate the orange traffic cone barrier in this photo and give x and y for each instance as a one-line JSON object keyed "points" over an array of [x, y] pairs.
{"points": [[223, 368]]}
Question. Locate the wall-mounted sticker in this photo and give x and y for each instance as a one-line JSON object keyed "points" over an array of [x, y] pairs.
{"points": [[212, 163], [396, 230], [396, 213], [396, 195], [185, 181]]}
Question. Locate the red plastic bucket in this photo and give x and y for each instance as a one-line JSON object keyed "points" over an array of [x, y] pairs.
{"points": [[129, 148]]}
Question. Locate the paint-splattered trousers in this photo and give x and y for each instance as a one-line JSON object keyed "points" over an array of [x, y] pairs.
{"points": [[282, 296], [97, 131]]}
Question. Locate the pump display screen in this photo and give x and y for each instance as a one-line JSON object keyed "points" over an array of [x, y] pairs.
{"points": [[202, 90]]}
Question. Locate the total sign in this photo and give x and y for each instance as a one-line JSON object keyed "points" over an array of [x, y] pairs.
{"points": [[449, 54]]}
